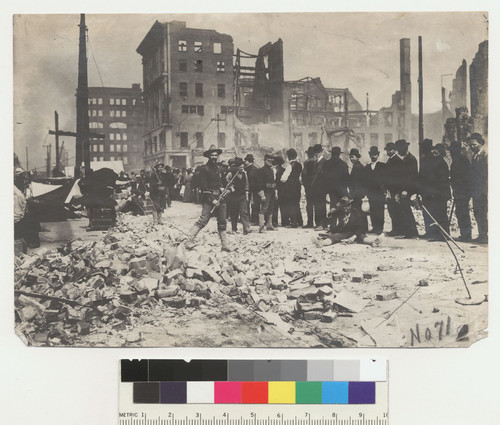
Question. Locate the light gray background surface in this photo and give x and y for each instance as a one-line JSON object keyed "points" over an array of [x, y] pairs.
{"points": [[80, 386]]}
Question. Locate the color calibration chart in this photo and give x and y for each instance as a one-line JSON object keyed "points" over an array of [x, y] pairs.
{"points": [[253, 392]]}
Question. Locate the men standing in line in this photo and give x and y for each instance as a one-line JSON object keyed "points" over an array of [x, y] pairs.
{"points": [[409, 176], [307, 173], [318, 186], [237, 199], [266, 185], [357, 180], [375, 174], [337, 175], [479, 185], [254, 201], [439, 191], [211, 182], [460, 183], [291, 188], [392, 185], [425, 181]]}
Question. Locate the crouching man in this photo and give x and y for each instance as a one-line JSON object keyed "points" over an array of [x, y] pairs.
{"points": [[211, 183], [346, 225]]}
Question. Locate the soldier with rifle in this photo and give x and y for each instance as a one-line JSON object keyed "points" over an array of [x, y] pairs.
{"points": [[212, 184]]}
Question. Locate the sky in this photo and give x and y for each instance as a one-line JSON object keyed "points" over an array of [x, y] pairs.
{"points": [[359, 51]]}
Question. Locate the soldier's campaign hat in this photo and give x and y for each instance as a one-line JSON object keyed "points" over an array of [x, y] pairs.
{"points": [[159, 165], [249, 157], [354, 152], [318, 148], [373, 150], [401, 143], [336, 151], [476, 136], [209, 152], [238, 161], [390, 146]]}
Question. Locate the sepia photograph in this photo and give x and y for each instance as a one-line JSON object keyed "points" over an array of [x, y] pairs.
{"points": [[251, 179]]}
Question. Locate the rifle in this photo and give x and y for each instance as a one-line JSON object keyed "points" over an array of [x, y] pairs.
{"points": [[226, 190]]}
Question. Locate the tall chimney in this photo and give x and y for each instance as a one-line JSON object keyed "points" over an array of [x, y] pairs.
{"points": [[405, 82]]}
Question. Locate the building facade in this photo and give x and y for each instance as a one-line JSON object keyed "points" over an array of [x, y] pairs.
{"points": [[118, 114], [188, 93]]}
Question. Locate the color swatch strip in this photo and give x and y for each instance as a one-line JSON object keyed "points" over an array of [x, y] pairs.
{"points": [[253, 370], [253, 392]]}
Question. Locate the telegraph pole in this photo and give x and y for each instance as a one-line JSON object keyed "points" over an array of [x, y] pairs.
{"points": [[82, 105]]}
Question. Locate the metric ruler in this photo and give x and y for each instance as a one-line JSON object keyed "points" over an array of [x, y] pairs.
{"points": [[253, 392], [255, 415]]}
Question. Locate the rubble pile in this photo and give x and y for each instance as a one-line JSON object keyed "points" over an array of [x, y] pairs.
{"points": [[140, 278]]}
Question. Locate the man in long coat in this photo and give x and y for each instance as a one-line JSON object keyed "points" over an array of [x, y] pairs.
{"points": [[375, 173]]}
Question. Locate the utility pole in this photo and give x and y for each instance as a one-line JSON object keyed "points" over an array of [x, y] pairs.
{"points": [[48, 159], [27, 163], [82, 105], [420, 97], [218, 119]]}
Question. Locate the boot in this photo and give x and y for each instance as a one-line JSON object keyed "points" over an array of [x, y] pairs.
{"points": [[190, 243], [224, 242], [269, 223], [261, 223], [160, 221]]}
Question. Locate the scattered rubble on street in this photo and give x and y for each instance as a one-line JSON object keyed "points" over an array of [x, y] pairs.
{"points": [[139, 286]]}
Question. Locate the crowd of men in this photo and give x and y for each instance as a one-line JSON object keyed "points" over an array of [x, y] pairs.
{"points": [[244, 192]]}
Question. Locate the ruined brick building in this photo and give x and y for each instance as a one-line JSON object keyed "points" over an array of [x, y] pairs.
{"points": [[188, 93]]}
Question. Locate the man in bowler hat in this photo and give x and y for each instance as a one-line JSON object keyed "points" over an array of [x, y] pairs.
{"points": [[211, 183], [337, 176], [266, 186], [479, 185], [307, 173], [375, 173], [291, 188], [409, 178], [319, 187], [393, 188], [357, 182]]}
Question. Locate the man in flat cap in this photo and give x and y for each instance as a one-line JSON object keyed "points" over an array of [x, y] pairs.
{"points": [[392, 180], [337, 176], [409, 180], [237, 200], [375, 174], [254, 201], [307, 173], [266, 185], [319, 187], [158, 192], [211, 183], [479, 185]]}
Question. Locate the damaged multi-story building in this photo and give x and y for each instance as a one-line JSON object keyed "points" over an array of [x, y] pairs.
{"points": [[459, 121], [188, 93], [281, 114]]}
